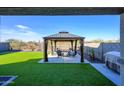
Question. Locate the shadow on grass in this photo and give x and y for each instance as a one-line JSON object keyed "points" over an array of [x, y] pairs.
{"points": [[8, 52]]}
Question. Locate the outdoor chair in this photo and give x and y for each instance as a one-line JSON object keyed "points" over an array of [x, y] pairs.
{"points": [[59, 53], [71, 53]]}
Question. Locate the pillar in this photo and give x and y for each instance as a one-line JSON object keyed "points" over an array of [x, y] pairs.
{"points": [[72, 44], [45, 50], [55, 45], [75, 47], [121, 60], [52, 47], [82, 50]]}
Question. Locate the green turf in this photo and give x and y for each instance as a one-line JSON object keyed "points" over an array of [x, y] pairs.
{"points": [[29, 72]]}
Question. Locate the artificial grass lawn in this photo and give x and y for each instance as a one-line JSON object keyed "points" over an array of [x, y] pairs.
{"points": [[29, 72]]}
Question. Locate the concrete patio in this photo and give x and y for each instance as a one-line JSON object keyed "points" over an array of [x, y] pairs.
{"points": [[55, 59]]}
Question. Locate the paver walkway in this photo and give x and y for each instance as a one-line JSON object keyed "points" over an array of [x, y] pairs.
{"points": [[111, 75]]}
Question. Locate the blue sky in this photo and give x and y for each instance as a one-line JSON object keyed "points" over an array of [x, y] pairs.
{"points": [[34, 28]]}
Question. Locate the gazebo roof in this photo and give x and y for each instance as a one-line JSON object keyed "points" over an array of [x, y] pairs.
{"points": [[63, 35]]}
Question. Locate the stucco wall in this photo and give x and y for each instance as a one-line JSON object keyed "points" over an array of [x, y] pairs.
{"points": [[100, 48]]}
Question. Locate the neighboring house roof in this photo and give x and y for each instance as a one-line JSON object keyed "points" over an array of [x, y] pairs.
{"points": [[63, 35], [93, 45]]}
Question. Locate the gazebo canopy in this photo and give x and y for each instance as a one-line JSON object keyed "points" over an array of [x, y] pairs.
{"points": [[64, 36]]}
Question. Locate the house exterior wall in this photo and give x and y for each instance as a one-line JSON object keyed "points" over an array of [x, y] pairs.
{"points": [[61, 45], [122, 48]]}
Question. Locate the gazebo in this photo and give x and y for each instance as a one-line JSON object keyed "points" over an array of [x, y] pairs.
{"points": [[63, 36]]}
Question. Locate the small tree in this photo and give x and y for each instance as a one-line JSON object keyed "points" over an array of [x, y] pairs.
{"points": [[14, 43], [97, 41], [31, 45], [92, 54]]}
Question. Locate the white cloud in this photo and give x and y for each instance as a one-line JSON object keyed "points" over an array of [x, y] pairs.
{"points": [[22, 26], [22, 33]]}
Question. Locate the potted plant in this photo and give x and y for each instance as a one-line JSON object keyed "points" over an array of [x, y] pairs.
{"points": [[92, 55]]}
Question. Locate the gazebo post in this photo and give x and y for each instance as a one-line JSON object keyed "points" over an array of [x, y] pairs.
{"points": [[72, 44], [45, 50], [75, 47], [55, 46], [52, 46], [82, 50]]}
